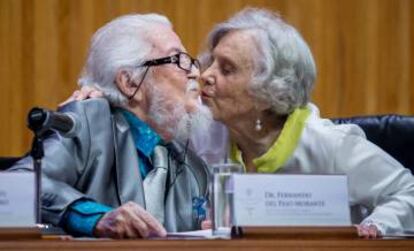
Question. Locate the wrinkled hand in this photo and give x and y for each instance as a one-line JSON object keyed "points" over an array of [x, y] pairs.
{"points": [[368, 231], [206, 224], [84, 93], [129, 221]]}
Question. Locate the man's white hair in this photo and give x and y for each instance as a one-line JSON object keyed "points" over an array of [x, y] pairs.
{"points": [[121, 44], [284, 71]]}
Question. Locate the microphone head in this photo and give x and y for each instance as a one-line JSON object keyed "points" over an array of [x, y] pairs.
{"points": [[41, 121], [36, 118]]}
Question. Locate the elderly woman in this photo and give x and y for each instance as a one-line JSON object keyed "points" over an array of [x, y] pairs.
{"points": [[257, 80]]}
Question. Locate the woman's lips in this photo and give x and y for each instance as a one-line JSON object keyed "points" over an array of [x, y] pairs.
{"points": [[205, 98], [204, 94]]}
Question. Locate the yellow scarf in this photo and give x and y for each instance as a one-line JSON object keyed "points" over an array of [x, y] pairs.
{"points": [[282, 148]]}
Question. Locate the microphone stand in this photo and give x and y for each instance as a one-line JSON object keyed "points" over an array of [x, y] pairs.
{"points": [[35, 120], [37, 154], [40, 122]]}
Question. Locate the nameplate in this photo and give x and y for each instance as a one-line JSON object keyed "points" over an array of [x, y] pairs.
{"points": [[17, 199], [290, 200]]}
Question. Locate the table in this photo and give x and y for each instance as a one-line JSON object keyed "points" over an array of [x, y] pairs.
{"points": [[281, 240]]}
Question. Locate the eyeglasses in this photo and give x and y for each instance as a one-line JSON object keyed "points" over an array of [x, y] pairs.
{"points": [[181, 59]]}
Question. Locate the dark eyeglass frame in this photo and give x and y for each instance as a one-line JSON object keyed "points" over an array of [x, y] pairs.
{"points": [[174, 59]]}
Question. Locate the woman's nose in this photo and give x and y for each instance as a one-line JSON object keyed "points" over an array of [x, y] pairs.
{"points": [[207, 78]]}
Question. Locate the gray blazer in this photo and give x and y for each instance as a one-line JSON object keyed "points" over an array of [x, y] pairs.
{"points": [[101, 163]]}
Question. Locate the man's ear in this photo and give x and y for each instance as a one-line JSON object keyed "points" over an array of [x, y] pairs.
{"points": [[126, 84]]}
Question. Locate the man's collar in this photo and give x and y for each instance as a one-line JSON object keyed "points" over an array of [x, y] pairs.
{"points": [[145, 138]]}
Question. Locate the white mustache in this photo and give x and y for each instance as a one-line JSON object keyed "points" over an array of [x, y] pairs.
{"points": [[192, 85]]}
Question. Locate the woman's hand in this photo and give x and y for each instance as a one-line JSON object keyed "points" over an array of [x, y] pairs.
{"points": [[85, 92], [368, 231]]}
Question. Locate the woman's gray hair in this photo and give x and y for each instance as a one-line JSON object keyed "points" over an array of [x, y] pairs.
{"points": [[285, 70], [121, 44]]}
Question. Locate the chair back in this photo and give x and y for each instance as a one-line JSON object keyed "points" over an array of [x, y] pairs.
{"points": [[393, 133], [6, 162]]}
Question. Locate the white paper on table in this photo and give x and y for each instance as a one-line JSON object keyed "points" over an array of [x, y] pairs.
{"points": [[290, 200], [17, 199], [203, 234]]}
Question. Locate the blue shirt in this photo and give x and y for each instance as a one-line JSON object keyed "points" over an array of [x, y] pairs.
{"points": [[145, 139], [83, 215]]}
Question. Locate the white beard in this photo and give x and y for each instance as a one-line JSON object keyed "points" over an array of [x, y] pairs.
{"points": [[200, 119], [174, 118]]}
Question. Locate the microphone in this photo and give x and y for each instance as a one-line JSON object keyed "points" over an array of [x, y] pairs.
{"points": [[42, 120]]}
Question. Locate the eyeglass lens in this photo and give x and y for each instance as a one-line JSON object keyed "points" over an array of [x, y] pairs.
{"points": [[184, 62]]}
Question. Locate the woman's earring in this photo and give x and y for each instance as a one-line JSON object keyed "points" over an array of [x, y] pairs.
{"points": [[258, 126]]}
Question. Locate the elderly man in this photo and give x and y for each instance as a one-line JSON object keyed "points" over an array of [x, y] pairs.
{"points": [[124, 174]]}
